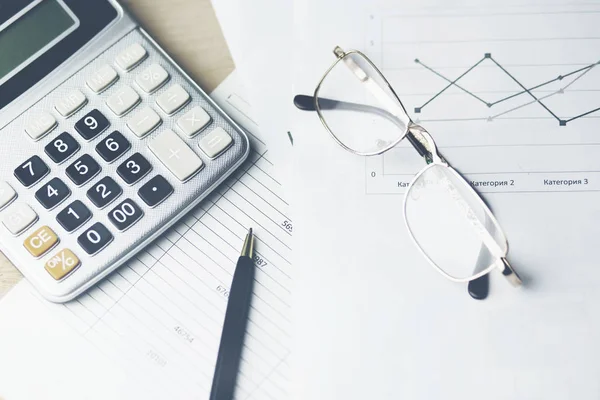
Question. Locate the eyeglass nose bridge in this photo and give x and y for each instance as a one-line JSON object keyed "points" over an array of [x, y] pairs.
{"points": [[423, 137]]}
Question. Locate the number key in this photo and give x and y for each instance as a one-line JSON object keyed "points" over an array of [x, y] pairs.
{"points": [[95, 238], [75, 215], [83, 169], [104, 192], [31, 171], [113, 146], [61, 148], [52, 193], [92, 124], [125, 214], [134, 168]]}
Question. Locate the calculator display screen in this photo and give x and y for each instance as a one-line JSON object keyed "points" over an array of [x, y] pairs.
{"points": [[31, 31], [37, 36]]}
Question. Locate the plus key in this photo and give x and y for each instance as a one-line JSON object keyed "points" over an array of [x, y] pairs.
{"points": [[176, 155]]}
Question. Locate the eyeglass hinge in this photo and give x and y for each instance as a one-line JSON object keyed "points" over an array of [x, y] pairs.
{"points": [[339, 52]]}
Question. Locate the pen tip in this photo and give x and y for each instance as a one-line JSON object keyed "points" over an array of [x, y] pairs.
{"points": [[248, 249]]}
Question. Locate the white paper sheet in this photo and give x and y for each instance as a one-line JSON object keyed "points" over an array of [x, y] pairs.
{"points": [[152, 329], [259, 37], [374, 319]]}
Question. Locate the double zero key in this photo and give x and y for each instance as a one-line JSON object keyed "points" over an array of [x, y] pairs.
{"points": [[125, 215]]}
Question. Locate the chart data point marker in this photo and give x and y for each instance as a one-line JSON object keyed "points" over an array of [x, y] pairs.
{"points": [[488, 55], [489, 119], [489, 105], [417, 60], [561, 90], [562, 122], [560, 77], [417, 109]]}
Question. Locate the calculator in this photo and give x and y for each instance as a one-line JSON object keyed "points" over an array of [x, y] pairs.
{"points": [[106, 142]]}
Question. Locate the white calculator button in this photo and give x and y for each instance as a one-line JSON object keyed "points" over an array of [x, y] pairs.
{"points": [[215, 142], [40, 124], [143, 122], [7, 194], [152, 78], [70, 103], [131, 56], [102, 78], [173, 99], [18, 217], [176, 155], [193, 121], [123, 100]]}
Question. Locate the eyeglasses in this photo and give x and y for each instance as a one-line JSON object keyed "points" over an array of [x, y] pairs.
{"points": [[447, 220]]}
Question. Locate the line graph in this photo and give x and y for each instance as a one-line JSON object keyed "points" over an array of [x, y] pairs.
{"points": [[529, 91], [510, 92]]}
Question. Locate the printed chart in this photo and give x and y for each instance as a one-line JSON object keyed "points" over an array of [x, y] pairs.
{"points": [[511, 94]]}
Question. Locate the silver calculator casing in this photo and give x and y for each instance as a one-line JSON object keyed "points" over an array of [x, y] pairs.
{"points": [[17, 146]]}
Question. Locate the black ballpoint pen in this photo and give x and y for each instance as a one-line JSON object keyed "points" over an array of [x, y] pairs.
{"points": [[234, 327]]}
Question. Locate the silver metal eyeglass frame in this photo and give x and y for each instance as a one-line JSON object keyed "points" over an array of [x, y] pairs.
{"points": [[425, 146]]}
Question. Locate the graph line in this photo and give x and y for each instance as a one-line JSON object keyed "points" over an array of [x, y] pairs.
{"points": [[529, 91]]}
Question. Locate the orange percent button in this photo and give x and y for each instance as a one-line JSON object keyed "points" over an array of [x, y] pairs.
{"points": [[40, 241], [62, 263]]}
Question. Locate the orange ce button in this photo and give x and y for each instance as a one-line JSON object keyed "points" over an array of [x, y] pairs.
{"points": [[40, 241]]}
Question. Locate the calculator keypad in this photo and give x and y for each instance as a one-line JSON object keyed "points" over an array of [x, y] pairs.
{"points": [[113, 146], [52, 193], [40, 125], [61, 148], [131, 57], [31, 171], [92, 124], [70, 103], [117, 107], [7, 194], [193, 121], [40, 241], [125, 214], [104, 77], [104, 192], [134, 168], [74, 216], [123, 101], [176, 155], [95, 238], [173, 99], [18, 217], [82, 170], [155, 191], [152, 78], [215, 142], [143, 122], [61, 264]]}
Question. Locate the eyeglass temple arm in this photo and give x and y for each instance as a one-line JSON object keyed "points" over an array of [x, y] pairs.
{"points": [[307, 103]]}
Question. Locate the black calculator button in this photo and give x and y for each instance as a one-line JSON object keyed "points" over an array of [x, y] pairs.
{"points": [[75, 215], [104, 192], [113, 146], [95, 238], [134, 168], [61, 148], [92, 124], [155, 191], [31, 171], [125, 214], [52, 193], [82, 170]]}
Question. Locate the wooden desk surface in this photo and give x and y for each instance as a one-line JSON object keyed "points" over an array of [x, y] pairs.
{"points": [[189, 31]]}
